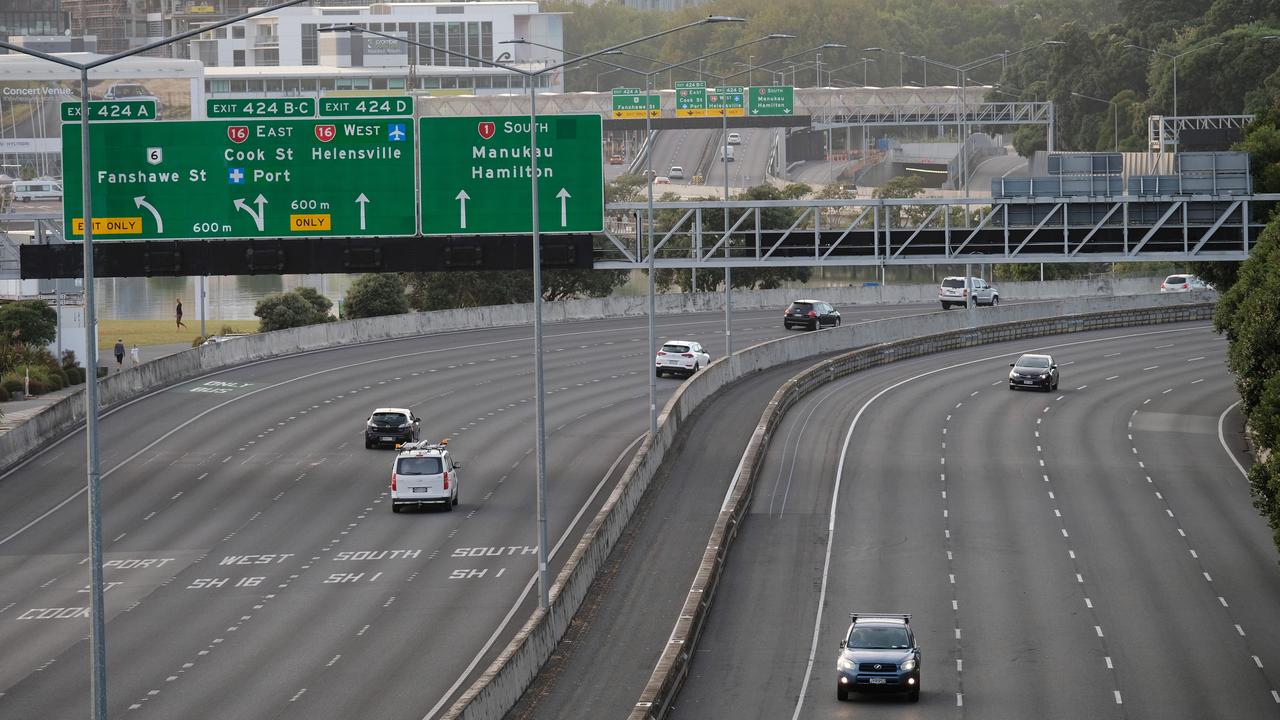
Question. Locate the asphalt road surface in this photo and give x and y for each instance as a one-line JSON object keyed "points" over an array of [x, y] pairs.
{"points": [[1086, 553], [253, 567]]}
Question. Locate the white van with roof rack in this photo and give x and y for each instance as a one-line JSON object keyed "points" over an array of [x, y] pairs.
{"points": [[424, 473]]}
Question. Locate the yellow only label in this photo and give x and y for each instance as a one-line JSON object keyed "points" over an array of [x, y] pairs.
{"points": [[693, 112], [310, 223], [634, 114], [109, 226]]}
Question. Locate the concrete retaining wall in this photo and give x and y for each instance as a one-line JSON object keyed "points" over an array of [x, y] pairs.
{"points": [[673, 665], [500, 686]]}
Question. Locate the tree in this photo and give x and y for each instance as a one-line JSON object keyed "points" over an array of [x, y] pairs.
{"points": [[298, 307], [448, 290], [28, 322], [374, 295], [1249, 314]]}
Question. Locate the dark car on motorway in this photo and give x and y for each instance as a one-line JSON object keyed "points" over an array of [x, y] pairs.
{"points": [[391, 426], [878, 654], [810, 314], [1034, 371]]}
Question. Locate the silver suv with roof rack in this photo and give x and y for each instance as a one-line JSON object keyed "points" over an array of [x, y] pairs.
{"points": [[878, 654], [424, 473]]}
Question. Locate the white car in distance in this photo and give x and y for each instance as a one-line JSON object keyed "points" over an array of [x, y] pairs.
{"points": [[680, 357]]}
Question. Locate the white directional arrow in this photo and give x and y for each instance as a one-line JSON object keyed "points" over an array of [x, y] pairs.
{"points": [[257, 216], [564, 210], [462, 199], [363, 201], [141, 202]]}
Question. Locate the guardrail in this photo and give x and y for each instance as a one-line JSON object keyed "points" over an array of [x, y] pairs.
{"points": [[499, 687], [673, 666]]}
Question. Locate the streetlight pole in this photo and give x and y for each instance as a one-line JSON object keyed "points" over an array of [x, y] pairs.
{"points": [[1176, 135], [1115, 118], [544, 581], [97, 605]]}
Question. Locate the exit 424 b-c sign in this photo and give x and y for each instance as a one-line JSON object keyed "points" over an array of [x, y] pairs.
{"points": [[222, 179]]}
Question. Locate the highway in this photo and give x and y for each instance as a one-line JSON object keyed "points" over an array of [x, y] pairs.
{"points": [[1090, 552], [253, 567]]}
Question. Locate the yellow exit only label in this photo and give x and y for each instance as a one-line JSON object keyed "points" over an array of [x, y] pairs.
{"points": [[109, 226], [308, 223]]}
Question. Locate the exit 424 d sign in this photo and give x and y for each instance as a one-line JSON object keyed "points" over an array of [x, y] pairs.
{"points": [[476, 175]]}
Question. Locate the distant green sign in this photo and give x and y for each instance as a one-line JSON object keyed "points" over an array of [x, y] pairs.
{"points": [[381, 106], [476, 175], [629, 103], [728, 98], [771, 100], [691, 98], [111, 110], [261, 108]]}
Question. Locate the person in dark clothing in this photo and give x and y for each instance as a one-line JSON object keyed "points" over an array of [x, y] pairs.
{"points": [[120, 354], [178, 314]]}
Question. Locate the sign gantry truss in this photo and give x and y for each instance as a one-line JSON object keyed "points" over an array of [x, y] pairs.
{"points": [[925, 231]]}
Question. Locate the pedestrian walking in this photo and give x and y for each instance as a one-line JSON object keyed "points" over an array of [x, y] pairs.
{"points": [[119, 354], [178, 314], [133, 353]]}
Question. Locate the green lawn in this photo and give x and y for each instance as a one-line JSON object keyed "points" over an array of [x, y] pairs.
{"points": [[162, 332]]}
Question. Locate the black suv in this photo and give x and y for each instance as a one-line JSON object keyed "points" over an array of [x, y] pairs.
{"points": [[811, 314], [878, 654], [391, 426]]}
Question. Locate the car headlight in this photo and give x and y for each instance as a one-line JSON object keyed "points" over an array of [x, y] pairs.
{"points": [[845, 663], [908, 665], [1044, 376]]}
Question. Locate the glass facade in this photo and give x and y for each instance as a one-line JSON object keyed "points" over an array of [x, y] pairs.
{"points": [[468, 38]]}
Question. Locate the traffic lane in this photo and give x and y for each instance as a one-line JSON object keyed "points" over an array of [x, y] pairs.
{"points": [[601, 667], [1164, 596]]}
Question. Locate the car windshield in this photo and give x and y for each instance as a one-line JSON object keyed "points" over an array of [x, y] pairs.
{"points": [[389, 418], [675, 348], [955, 282], [878, 638], [1033, 362], [419, 466]]}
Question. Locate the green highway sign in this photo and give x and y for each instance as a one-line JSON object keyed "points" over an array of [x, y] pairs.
{"points": [[691, 98], [771, 100], [728, 98], [111, 110], [261, 108], [379, 106], [243, 179], [629, 103], [476, 175]]}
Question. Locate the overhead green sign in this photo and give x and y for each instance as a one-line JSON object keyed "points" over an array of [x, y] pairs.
{"points": [[691, 98], [629, 103], [381, 106], [111, 110], [476, 174], [728, 98], [228, 179], [771, 100], [261, 108]]}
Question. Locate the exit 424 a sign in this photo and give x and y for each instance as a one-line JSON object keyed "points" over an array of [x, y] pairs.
{"points": [[476, 174], [225, 179]]}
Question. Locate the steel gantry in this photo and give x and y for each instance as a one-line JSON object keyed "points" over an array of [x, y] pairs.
{"points": [[690, 234]]}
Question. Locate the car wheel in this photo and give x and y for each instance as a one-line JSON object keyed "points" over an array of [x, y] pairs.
{"points": [[946, 306], [837, 322], [1055, 384], [995, 300], [367, 445], [816, 324], [657, 373], [395, 508], [456, 497], [696, 367], [842, 694], [913, 695], [448, 506]]}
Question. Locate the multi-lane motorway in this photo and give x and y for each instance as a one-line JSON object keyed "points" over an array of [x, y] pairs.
{"points": [[254, 568], [1090, 552]]}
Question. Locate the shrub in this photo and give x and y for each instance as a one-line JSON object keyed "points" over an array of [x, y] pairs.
{"points": [[12, 383], [53, 381], [4, 395], [37, 386], [75, 375]]}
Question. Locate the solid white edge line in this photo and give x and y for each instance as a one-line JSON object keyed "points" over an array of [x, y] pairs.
{"points": [[844, 450], [529, 585], [1222, 440]]}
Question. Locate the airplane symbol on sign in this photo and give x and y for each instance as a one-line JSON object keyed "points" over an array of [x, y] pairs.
{"points": [[395, 131]]}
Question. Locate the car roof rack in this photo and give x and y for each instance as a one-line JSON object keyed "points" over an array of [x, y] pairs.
{"points": [[424, 445], [904, 617]]}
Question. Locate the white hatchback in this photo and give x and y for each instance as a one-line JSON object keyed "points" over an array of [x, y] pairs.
{"points": [[682, 357]]}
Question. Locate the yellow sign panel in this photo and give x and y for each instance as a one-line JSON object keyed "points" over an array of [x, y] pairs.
{"points": [[634, 114], [693, 112], [109, 226], [201, 9], [310, 223]]}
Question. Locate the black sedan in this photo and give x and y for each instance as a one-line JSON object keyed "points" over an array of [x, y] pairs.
{"points": [[1034, 371]]}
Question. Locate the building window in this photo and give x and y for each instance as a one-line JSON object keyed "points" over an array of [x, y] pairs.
{"points": [[219, 86], [395, 84], [237, 58], [237, 31]]}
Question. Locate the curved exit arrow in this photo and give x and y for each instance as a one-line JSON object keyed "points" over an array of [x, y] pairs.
{"points": [[258, 216], [141, 202]]}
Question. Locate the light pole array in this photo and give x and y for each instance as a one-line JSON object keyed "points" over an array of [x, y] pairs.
{"points": [[97, 621], [531, 76], [1174, 58]]}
